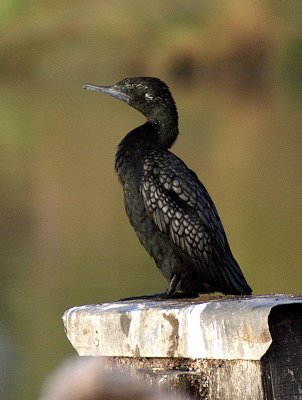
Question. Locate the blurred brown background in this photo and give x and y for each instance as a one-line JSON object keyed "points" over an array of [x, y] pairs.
{"points": [[235, 70]]}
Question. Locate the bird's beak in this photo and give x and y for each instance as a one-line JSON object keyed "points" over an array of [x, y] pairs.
{"points": [[111, 90]]}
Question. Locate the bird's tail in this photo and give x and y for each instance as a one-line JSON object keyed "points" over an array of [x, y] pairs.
{"points": [[235, 282]]}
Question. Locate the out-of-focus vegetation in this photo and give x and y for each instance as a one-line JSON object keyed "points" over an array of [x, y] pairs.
{"points": [[235, 69]]}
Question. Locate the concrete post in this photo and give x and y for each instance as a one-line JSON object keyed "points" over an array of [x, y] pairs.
{"points": [[228, 348]]}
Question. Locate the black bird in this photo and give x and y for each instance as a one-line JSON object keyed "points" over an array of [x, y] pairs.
{"points": [[170, 210]]}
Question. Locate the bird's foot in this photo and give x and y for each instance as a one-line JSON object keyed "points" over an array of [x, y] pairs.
{"points": [[162, 296], [170, 293], [184, 295], [157, 296]]}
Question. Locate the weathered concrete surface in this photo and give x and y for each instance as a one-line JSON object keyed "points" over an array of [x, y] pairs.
{"points": [[230, 328]]}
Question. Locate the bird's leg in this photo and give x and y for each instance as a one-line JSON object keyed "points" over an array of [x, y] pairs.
{"points": [[174, 287], [172, 291]]}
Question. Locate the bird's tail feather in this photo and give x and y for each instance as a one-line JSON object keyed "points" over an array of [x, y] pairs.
{"points": [[234, 279]]}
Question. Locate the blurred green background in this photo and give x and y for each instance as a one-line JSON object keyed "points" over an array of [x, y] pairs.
{"points": [[235, 70]]}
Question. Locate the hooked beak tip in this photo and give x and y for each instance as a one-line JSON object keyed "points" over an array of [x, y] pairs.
{"points": [[89, 86]]}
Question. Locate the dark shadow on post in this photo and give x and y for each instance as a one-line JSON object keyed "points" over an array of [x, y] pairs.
{"points": [[282, 364]]}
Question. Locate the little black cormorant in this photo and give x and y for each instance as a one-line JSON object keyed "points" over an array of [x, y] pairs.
{"points": [[170, 210]]}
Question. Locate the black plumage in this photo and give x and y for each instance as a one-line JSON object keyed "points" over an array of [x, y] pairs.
{"points": [[169, 208]]}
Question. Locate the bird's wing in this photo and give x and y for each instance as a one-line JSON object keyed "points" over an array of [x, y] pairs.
{"points": [[182, 209]]}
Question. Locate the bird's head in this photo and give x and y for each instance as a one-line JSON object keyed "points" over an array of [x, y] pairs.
{"points": [[150, 96]]}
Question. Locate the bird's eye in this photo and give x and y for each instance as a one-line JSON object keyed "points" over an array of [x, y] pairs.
{"points": [[123, 89]]}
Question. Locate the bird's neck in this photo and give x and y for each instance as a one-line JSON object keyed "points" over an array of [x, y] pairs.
{"points": [[164, 120], [160, 130], [137, 141], [166, 130]]}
